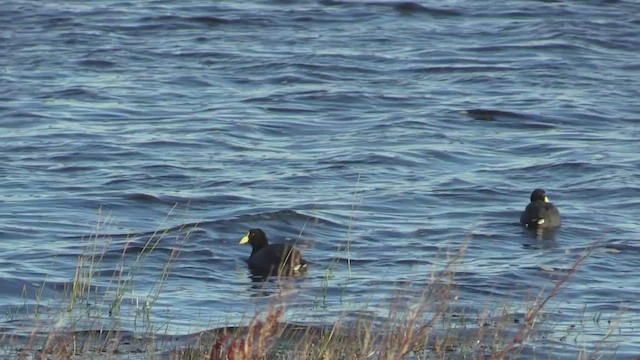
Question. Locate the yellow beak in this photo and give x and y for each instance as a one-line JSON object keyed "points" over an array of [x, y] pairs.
{"points": [[245, 239], [546, 199]]}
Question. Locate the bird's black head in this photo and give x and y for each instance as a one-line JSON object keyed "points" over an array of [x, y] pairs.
{"points": [[256, 238], [539, 195]]}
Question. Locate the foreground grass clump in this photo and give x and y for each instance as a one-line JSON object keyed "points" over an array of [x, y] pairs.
{"points": [[418, 324], [85, 317], [410, 331]]}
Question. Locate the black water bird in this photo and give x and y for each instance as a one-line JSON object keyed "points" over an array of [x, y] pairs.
{"points": [[540, 214], [272, 259]]}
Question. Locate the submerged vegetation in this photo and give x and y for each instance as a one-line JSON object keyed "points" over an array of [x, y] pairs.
{"points": [[87, 321]]}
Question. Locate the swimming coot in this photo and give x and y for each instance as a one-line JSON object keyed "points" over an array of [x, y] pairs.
{"points": [[540, 213], [272, 259]]}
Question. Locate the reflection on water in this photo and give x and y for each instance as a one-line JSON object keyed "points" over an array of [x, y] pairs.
{"points": [[542, 234]]}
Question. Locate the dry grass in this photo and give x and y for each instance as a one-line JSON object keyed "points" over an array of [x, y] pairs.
{"points": [[419, 327], [410, 330]]}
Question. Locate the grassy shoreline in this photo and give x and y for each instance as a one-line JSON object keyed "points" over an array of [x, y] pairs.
{"points": [[419, 327]]}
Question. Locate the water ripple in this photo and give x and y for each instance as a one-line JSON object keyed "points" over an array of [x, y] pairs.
{"points": [[381, 137]]}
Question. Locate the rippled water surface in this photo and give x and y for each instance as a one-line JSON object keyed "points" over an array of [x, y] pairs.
{"points": [[154, 134]]}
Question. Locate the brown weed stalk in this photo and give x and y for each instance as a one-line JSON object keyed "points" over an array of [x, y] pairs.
{"points": [[260, 337], [531, 317]]}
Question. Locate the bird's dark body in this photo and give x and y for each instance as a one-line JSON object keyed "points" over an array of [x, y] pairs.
{"points": [[272, 259], [537, 210], [540, 214], [275, 258]]}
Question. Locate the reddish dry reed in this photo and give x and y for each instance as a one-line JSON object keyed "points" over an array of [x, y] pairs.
{"points": [[258, 340]]}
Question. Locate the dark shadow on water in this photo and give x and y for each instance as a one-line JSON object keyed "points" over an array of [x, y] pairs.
{"points": [[492, 114], [539, 234], [540, 239], [264, 283]]}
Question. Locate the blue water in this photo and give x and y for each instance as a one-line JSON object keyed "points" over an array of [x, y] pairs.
{"points": [[403, 130]]}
